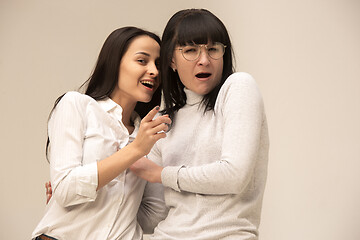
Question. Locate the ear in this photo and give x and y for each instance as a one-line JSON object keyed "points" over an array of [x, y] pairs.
{"points": [[173, 65]]}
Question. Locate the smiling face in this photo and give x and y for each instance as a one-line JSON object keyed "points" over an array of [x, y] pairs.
{"points": [[200, 76], [138, 72]]}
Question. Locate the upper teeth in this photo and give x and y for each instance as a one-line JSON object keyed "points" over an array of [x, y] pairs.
{"points": [[148, 82]]}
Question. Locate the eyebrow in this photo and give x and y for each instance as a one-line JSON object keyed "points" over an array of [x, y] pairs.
{"points": [[143, 53]]}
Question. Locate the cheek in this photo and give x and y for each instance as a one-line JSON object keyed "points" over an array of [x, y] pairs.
{"points": [[184, 80], [219, 71], [185, 74], [221, 66]]}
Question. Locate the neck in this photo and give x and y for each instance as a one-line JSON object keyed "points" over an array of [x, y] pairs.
{"points": [[192, 98], [127, 106], [126, 115]]}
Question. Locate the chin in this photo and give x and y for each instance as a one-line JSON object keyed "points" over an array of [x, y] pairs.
{"points": [[202, 91], [146, 99]]}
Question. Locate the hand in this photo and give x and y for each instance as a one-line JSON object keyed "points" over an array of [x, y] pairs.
{"points": [[48, 191], [151, 131], [147, 169]]}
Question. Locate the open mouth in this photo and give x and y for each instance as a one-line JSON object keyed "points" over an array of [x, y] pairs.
{"points": [[148, 84], [203, 75]]}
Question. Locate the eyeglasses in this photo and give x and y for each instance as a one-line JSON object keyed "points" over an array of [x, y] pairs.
{"points": [[192, 52]]}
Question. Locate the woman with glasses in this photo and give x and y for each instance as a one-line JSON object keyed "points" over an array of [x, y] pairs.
{"points": [[213, 162]]}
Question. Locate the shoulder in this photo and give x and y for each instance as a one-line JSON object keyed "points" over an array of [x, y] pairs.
{"points": [[75, 99], [239, 88], [239, 79], [239, 84], [73, 103]]}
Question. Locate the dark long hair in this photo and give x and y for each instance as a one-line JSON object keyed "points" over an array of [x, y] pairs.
{"points": [[185, 27], [104, 78]]}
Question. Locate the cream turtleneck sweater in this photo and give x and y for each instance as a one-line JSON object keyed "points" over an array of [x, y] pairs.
{"points": [[215, 165]]}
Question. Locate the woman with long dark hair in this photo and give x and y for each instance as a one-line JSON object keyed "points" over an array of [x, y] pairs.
{"points": [[213, 163], [94, 138]]}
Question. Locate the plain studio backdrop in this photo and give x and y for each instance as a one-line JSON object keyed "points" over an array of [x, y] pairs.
{"points": [[304, 54]]}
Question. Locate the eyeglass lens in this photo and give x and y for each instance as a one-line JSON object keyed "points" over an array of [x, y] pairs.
{"points": [[192, 52]]}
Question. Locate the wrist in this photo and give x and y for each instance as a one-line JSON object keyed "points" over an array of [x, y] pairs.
{"points": [[158, 176], [135, 151]]}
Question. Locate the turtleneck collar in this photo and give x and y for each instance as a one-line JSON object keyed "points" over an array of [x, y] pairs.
{"points": [[192, 98]]}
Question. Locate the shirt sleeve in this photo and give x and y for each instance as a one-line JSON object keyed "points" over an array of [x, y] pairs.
{"points": [[73, 183], [152, 209], [240, 104]]}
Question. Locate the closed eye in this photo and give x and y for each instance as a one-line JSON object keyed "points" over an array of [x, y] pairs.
{"points": [[189, 50], [142, 61], [213, 49]]}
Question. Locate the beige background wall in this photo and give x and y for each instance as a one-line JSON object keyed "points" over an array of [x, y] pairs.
{"points": [[305, 56]]}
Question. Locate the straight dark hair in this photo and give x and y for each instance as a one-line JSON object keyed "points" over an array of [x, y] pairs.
{"points": [[105, 75], [191, 26]]}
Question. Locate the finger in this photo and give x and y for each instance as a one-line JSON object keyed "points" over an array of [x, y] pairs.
{"points": [[48, 196], [151, 114], [159, 128], [159, 136], [160, 120]]}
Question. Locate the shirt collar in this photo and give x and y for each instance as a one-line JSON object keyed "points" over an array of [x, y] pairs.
{"points": [[192, 98], [114, 109], [108, 104]]}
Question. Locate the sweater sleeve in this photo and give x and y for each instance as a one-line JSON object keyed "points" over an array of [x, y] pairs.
{"points": [[240, 104], [73, 182], [152, 209]]}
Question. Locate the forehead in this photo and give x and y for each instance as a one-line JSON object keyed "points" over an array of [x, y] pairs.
{"points": [[144, 44], [193, 44], [199, 30]]}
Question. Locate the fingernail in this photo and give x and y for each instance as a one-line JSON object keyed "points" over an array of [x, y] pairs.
{"points": [[157, 108]]}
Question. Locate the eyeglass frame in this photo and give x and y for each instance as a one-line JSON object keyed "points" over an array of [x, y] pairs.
{"points": [[202, 45]]}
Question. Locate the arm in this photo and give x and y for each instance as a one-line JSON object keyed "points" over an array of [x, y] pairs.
{"points": [[243, 116], [150, 132], [152, 209], [71, 182], [75, 183]]}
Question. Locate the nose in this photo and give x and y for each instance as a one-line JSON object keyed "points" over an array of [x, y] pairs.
{"points": [[153, 70], [204, 57]]}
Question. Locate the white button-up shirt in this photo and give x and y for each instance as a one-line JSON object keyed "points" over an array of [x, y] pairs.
{"points": [[83, 131]]}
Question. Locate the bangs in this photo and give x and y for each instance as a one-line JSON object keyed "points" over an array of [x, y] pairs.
{"points": [[200, 29]]}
